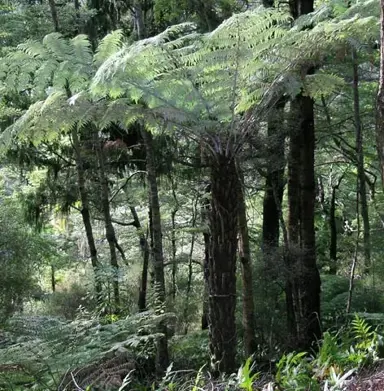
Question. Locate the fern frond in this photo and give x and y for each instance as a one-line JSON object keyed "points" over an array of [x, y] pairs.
{"points": [[108, 46]]}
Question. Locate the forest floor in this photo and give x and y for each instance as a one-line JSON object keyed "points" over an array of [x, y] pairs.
{"points": [[371, 379]]}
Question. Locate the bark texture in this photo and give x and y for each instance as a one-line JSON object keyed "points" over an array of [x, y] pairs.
{"points": [[303, 283], [222, 263]]}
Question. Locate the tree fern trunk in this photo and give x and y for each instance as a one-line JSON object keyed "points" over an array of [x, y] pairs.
{"points": [[85, 213], [222, 263], [157, 256]]}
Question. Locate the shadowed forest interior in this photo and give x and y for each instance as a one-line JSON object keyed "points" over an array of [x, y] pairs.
{"points": [[191, 195]]}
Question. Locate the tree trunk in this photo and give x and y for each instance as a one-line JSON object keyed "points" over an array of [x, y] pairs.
{"points": [[333, 235], [109, 229], [142, 302], [138, 16], [157, 249], [222, 263], [173, 239], [205, 211], [360, 168], [53, 279], [250, 343], [303, 278], [55, 19], [85, 213], [380, 99], [205, 315], [274, 184]]}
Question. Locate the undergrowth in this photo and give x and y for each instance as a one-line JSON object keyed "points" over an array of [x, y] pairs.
{"points": [[47, 354]]}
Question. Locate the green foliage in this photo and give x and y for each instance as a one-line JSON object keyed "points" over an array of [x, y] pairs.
{"points": [[22, 253], [190, 351], [48, 348], [66, 303], [246, 376]]}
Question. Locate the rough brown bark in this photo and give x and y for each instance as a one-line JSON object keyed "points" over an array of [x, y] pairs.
{"points": [[380, 98], [303, 275], [109, 229], [303, 278], [222, 262], [250, 343], [162, 359], [85, 213]]}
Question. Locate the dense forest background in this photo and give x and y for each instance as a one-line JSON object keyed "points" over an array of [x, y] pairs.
{"points": [[189, 188]]}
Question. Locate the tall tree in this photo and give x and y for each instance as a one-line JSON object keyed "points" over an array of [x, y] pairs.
{"points": [[222, 260], [157, 248], [303, 278], [85, 211], [106, 209]]}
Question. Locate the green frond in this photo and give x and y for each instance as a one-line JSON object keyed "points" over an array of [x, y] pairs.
{"points": [[58, 46], [108, 46], [82, 50], [323, 84]]}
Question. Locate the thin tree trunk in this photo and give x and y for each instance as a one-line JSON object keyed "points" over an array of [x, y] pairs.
{"points": [[158, 257], [333, 234], [173, 240], [142, 302], [205, 315], [109, 229], [380, 99], [190, 268], [53, 279], [222, 263], [205, 211], [356, 252], [250, 343], [138, 16], [360, 168], [85, 213], [274, 182], [55, 19]]}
